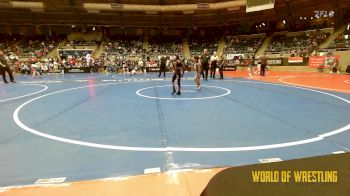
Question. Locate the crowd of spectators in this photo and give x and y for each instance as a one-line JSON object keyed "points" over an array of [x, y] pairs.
{"points": [[116, 50], [165, 45], [198, 43], [242, 45], [301, 45], [79, 42], [123, 46], [36, 46], [55, 65], [342, 41]]}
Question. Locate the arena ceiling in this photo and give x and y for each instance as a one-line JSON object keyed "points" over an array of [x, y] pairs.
{"points": [[76, 12]]}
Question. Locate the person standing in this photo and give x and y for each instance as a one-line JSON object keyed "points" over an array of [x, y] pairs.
{"points": [[222, 62], [205, 64], [213, 64], [198, 67], [4, 67], [177, 67], [249, 63], [125, 67], [142, 67], [162, 67], [263, 60]]}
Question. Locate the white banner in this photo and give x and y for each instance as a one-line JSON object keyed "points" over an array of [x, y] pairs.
{"points": [[232, 56]]}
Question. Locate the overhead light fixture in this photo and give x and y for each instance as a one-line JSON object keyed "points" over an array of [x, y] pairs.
{"points": [[301, 18], [93, 28], [284, 21], [312, 18], [304, 18], [348, 27], [73, 26], [263, 24]]}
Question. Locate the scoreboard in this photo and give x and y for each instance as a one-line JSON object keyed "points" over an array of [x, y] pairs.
{"points": [[258, 5]]}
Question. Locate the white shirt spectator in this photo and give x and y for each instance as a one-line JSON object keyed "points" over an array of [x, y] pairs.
{"points": [[168, 62], [140, 63], [34, 65], [214, 58]]}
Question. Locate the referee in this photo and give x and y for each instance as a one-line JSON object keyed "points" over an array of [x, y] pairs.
{"points": [[263, 60], [205, 64]]}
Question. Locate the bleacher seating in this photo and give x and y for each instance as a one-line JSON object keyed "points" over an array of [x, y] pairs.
{"points": [[37, 46], [342, 41], [166, 45], [236, 44], [301, 45], [198, 44], [118, 46]]}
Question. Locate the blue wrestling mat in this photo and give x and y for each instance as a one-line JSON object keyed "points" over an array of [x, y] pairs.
{"points": [[89, 126]]}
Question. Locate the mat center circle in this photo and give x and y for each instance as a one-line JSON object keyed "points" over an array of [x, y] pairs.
{"points": [[188, 92]]}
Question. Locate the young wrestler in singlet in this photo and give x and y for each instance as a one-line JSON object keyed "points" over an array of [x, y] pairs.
{"points": [[177, 67]]}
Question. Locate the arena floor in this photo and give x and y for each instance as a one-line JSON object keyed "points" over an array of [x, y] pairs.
{"points": [[92, 126]]}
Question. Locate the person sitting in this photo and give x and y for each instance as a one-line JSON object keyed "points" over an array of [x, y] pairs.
{"points": [[36, 70], [25, 69], [334, 66], [44, 68]]}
